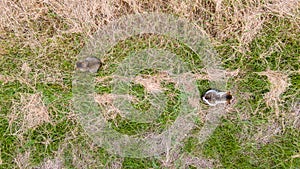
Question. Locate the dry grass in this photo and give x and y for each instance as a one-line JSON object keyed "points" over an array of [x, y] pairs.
{"points": [[82, 159], [22, 160], [26, 69], [106, 100], [174, 158], [5, 79], [198, 162], [40, 26], [79, 155], [221, 20], [151, 83], [266, 132], [296, 115], [279, 83], [29, 113], [282, 8], [116, 164], [55, 163]]}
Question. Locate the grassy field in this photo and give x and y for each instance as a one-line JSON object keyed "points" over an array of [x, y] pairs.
{"points": [[259, 46]]}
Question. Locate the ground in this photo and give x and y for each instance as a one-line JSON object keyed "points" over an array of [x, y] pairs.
{"points": [[258, 43]]}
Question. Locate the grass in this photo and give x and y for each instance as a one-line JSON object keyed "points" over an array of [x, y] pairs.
{"points": [[39, 47]]}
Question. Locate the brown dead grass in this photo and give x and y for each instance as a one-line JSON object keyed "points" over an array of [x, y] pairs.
{"points": [[35, 22], [160, 77], [284, 8], [261, 134], [5, 79], [116, 164], [81, 158], [175, 157], [266, 132], [22, 160], [199, 162], [221, 19], [296, 115], [151, 83], [29, 112], [55, 163], [296, 156], [2, 50], [82, 155], [106, 101], [26, 69], [279, 83], [239, 20]]}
